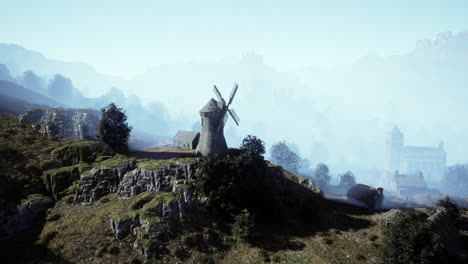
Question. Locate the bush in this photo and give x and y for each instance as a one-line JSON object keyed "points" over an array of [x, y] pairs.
{"points": [[114, 129], [450, 207], [242, 180], [409, 239], [234, 183], [243, 226], [254, 145]]}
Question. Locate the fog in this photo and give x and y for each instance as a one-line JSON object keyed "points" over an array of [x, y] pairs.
{"points": [[339, 115]]}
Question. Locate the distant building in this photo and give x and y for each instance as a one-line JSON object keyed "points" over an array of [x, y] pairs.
{"points": [[430, 161], [409, 184], [186, 139]]}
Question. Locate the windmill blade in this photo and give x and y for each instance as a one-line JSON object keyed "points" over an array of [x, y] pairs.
{"points": [[218, 94], [234, 116], [225, 119], [233, 93]]}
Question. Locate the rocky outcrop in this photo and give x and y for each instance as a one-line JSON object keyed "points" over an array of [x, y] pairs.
{"points": [[75, 123], [101, 181], [15, 219], [81, 152], [153, 218], [164, 178], [57, 181]]}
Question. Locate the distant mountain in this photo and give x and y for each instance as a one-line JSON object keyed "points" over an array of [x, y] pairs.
{"points": [[18, 60], [12, 90], [5, 74], [15, 106]]}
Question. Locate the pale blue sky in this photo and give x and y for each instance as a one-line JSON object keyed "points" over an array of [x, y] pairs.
{"points": [[126, 37]]}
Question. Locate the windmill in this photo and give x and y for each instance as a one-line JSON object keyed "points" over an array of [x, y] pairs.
{"points": [[214, 116]]}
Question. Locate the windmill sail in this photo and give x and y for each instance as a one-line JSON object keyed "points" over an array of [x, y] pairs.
{"points": [[225, 119], [234, 116], [218, 94], [233, 93]]}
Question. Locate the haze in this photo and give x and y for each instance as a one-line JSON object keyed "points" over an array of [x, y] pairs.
{"points": [[331, 77]]}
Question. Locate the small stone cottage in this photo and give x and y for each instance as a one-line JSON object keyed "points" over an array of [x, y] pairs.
{"points": [[186, 139]]}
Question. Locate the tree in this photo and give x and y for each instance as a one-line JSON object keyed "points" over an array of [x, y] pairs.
{"points": [[347, 180], [114, 129], [282, 155], [409, 239], [254, 145], [450, 207], [322, 175]]}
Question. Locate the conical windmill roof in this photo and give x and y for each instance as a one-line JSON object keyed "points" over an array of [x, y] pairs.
{"points": [[212, 106]]}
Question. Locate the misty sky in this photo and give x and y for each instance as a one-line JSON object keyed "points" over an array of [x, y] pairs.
{"points": [[126, 37]]}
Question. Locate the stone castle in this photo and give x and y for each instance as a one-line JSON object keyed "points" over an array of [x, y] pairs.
{"points": [[430, 161]]}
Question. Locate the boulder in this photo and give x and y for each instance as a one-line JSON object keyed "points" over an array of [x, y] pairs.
{"points": [[366, 195]]}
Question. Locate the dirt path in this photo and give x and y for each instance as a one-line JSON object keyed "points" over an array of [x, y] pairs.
{"points": [[163, 153]]}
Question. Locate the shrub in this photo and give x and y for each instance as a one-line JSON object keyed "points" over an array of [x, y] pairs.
{"points": [[409, 239], [234, 183], [242, 229], [254, 145], [114, 129], [450, 207]]}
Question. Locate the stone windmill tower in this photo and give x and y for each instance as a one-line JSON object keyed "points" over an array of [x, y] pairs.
{"points": [[213, 118]]}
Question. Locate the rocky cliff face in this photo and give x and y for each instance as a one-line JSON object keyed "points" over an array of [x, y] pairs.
{"points": [[164, 192], [15, 219], [100, 182], [75, 123], [165, 179], [128, 180]]}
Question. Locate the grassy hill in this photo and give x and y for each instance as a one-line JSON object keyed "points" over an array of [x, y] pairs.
{"points": [[292, 224]]}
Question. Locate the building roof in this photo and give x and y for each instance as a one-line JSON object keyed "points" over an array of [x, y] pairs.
{"points": [[212, 106], [426, 151], [410, 181], [186, 136]]}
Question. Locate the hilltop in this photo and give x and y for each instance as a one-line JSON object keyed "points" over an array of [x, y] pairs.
{"points": [[90, 205]]}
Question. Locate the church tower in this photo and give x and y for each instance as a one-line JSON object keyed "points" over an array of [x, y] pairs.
{"points": [[394, 150]]}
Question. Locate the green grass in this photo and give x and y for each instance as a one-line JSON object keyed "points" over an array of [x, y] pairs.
{"points": [[148, 164], [114, 162], [34, 198]]}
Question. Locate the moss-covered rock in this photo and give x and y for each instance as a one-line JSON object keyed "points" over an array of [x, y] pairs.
{"points": [[82, 152], [57, 181], [35, 197]]}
